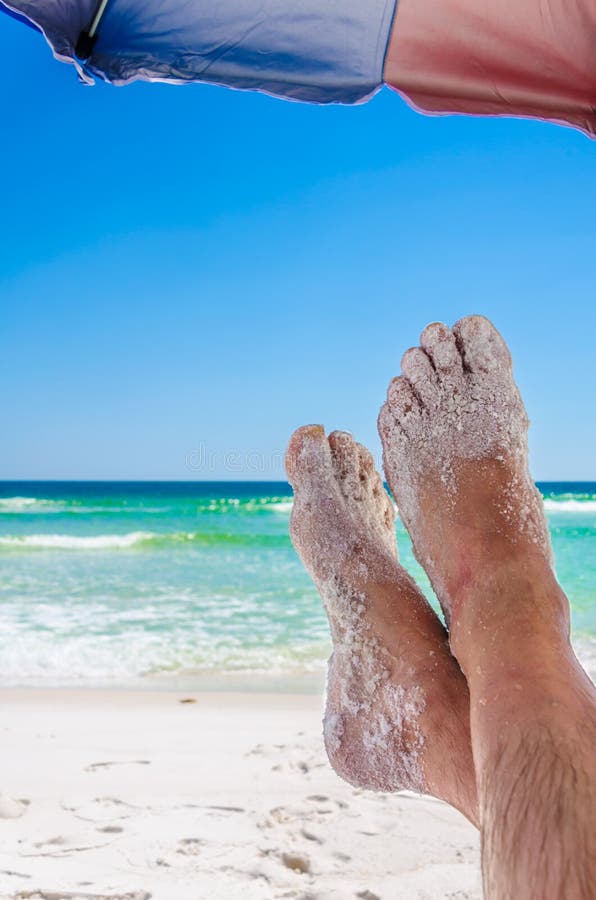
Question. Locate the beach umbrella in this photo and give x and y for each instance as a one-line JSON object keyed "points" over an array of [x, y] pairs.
{"points": [[496, 58]]}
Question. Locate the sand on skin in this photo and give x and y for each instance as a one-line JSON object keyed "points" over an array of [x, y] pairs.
{"points": [[133, 793]]}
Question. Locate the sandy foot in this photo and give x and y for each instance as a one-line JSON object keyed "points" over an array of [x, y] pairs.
{"points": [[454, 431], [397, 704]]}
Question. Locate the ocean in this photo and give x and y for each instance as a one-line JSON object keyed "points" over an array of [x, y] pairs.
{"points": [[190, 584]]}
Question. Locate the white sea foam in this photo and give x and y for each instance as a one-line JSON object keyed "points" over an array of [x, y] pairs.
{"points": [[57, 656], [72, 542], [281, 506], [573, 506], [28, 505], [34, 505], [16, 503]]}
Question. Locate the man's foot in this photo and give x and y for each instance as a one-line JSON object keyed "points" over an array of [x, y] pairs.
{"points": [[397, 703], [454, 443]]}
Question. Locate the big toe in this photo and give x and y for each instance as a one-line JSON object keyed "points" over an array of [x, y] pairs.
{"points": [[482, 348], [353, 466], [438, 341], [307, 453]]}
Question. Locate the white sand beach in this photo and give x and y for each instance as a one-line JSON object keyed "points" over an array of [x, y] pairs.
{"points": [[137, 794]]}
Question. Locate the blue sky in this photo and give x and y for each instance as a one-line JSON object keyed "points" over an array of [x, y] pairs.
{"points": [[189, 273]]}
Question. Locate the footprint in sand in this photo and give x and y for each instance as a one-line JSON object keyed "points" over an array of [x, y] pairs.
{"points": [[102, 809], [287, 815], [12, 874], [61, 846], [311, 835], [297, 862], [94, 767], [190, 846], [11, 808], [57, 841], [283, 815], [323, 798], [226, 809], [77, 895]]}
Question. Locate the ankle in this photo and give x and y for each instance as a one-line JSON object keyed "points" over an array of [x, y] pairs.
{"points": [[513, 613]]}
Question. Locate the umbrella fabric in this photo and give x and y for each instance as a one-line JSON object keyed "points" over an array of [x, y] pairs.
{"points": [[315, 50], [497, 57]]}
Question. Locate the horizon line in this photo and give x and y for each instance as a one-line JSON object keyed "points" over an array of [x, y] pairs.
{"points": [[219, 481]]}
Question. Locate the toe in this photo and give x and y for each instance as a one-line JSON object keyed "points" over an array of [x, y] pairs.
{"points": [[367, 474], [439, 343], [307, 453], [389, 512], [388, 427], [344, 453], [419, 371], [482, 348], [366, 464], [371, 479], [403, 403]]}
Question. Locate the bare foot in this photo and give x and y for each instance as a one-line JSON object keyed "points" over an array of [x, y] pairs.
{"points": [[454, 439], [397, 711]]}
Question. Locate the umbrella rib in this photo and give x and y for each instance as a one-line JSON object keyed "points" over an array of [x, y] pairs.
{"points": [[97, 18], [87, 39]]}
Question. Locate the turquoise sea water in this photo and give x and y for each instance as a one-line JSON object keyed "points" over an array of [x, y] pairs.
{"points": [[120, 583]]}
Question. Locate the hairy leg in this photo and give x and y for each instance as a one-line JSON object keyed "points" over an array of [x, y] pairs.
{"points": [[537, 792], [533, 716], [454, 439], [397, 703]]}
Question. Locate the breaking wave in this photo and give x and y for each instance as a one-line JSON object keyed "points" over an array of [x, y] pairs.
{"points": [[116, 506], [134, 540], [570, 505]]}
